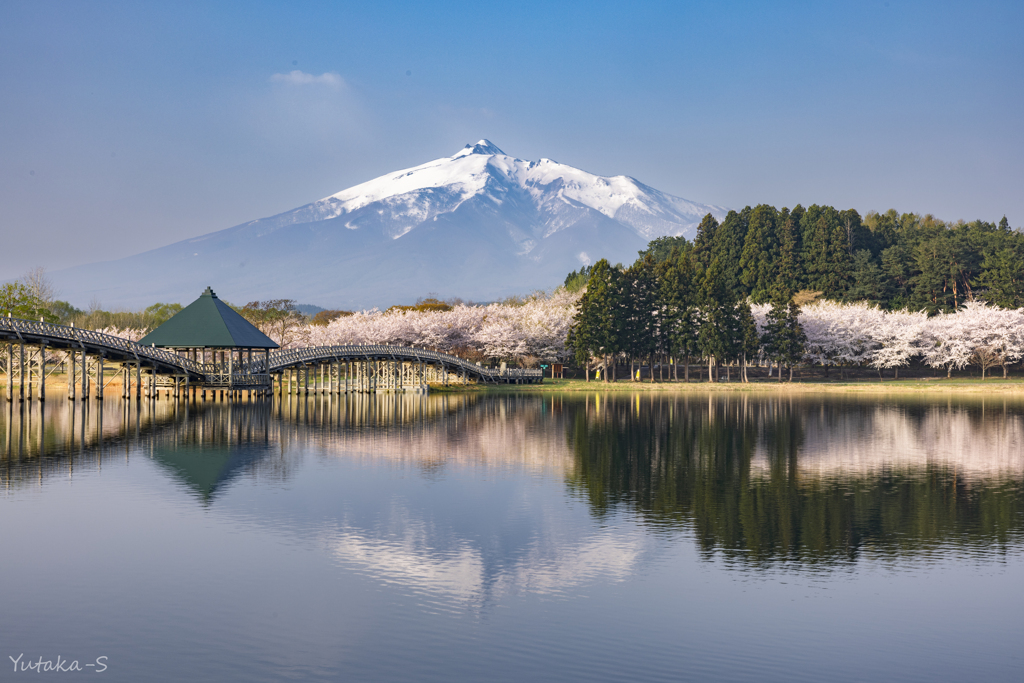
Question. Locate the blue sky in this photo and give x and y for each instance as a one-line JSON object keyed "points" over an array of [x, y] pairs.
{"points": [[127, 126]]}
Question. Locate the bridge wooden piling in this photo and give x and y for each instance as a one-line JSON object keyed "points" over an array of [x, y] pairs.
{"points": [[42, 372], [21, 372], [85, 375], [71, 375]]}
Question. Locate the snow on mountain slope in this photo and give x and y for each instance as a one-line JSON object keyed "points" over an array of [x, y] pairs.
{"points": [[419, 194], [479, 224]]}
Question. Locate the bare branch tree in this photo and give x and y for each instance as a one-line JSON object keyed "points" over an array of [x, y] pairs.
{"points": [[40, 285]]}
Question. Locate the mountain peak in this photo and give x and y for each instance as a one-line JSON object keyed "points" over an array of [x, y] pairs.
{"points": [[485, 147]]}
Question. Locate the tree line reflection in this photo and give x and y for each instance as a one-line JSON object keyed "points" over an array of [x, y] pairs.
{"points": [[809, 480]]}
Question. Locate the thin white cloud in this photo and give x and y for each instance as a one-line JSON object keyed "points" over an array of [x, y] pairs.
{"points": [[302, 78]]}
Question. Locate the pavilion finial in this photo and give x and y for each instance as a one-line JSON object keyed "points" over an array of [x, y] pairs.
{"points": [[209, 292]]}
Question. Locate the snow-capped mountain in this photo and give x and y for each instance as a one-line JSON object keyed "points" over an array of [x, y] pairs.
{"points": [[479, 224]]}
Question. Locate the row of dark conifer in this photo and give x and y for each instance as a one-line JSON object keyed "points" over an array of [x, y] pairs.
{"points": [[687, 300]]}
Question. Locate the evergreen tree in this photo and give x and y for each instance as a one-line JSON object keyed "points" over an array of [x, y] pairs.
{"points": [[884, 229], [857, 235], [1002, 277], [896, 271], [788, 271], [595, 330], [728, 249], [704, 242], [640, 331], [677, 302], [664, 248], [825, 251], [718, 323], [760, 255], [784, 337], [749, 341], [932, 290], [575, 281], [868, 281]]}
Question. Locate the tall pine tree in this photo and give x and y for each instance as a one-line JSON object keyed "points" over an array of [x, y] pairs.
{"points": [[759, 259]]}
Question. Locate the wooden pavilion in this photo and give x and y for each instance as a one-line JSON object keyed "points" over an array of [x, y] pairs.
{"points": [[210, 332]]}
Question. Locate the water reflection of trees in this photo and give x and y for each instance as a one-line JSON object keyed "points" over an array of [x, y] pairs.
{"points": [[761, 479], [811, 481]]}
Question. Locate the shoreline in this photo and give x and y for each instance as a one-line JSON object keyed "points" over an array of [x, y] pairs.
{"points": [[937, 386], [1000, 386]]}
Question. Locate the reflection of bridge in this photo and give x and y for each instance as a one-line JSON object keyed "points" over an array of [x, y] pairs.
{"points": [[364, 368]]}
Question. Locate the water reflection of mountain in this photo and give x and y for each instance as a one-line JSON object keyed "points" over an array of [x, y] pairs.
{"points": [[811, 480]]}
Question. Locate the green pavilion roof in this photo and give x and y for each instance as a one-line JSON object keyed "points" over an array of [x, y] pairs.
{"points": [[208, 322]]}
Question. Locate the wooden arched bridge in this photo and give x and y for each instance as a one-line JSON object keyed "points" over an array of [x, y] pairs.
{"points": [[148, 369]]}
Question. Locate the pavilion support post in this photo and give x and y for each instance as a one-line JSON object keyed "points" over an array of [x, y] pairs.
{"points": [[138, 380], [306, 383], [99, 379]]}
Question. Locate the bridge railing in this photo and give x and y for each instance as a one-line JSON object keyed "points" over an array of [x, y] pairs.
{"points": [[287, 357], [80, 337], [257, 368]]}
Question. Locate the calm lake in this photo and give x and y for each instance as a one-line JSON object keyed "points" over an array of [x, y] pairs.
{"points": [[471, 537]]}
